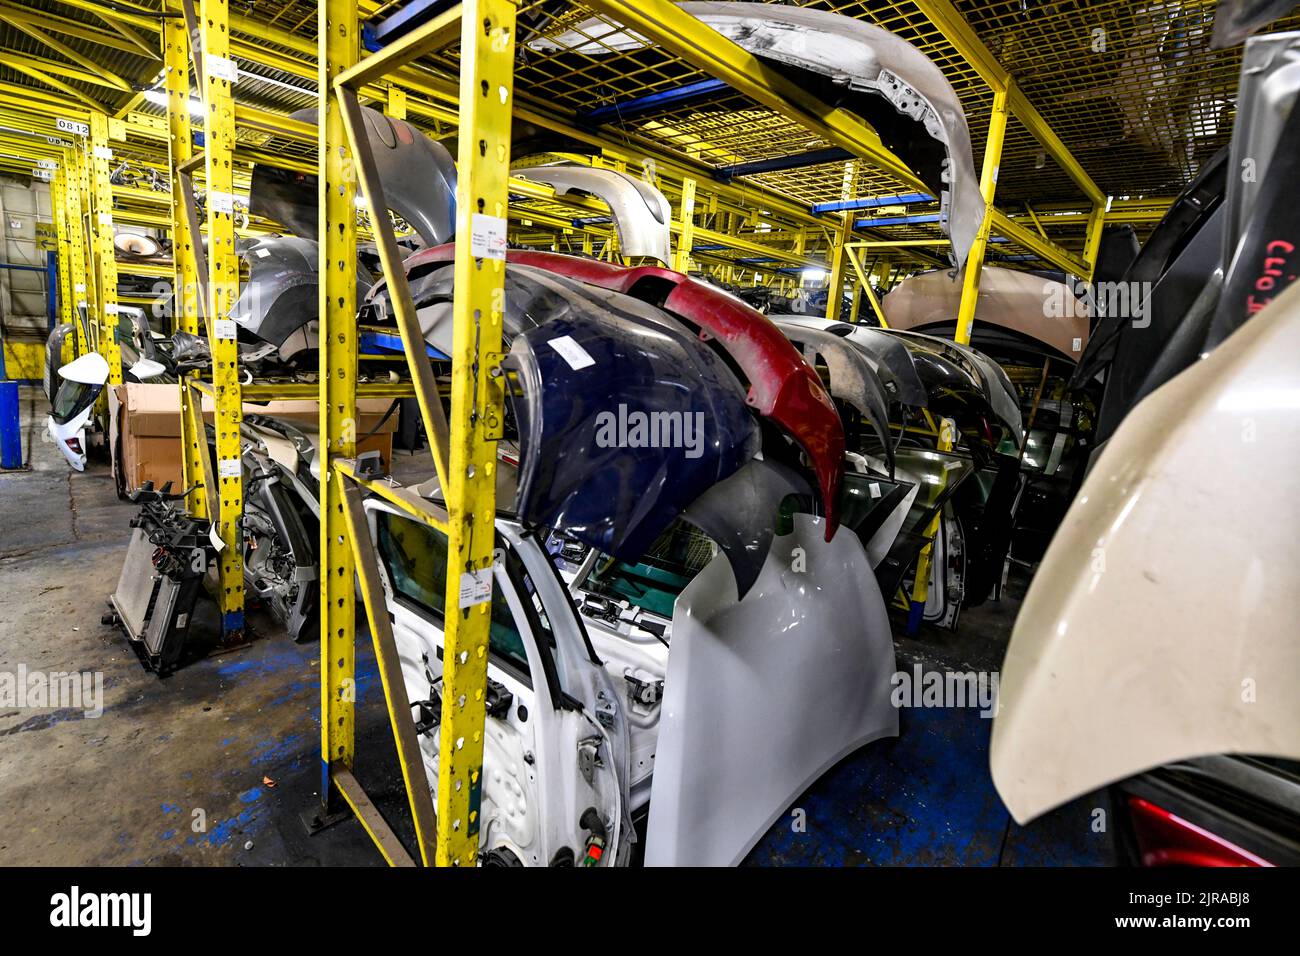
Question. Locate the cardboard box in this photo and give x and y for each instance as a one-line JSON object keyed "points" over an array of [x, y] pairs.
{"points": [[145, 430]]}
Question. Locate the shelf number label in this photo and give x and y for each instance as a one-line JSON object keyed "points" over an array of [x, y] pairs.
{"points": [[72, 126]]}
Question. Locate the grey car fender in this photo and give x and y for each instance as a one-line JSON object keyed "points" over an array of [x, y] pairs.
{"points": [[640, 211]]}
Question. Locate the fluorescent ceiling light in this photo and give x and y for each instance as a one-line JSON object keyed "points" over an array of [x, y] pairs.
{"points": [[159, 98]]}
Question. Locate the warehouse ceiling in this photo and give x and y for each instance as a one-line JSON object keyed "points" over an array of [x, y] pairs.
{"points": [[1132, 89]]}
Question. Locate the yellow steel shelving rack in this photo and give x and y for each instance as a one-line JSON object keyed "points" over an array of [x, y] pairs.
{"points": [[435, 76], [462, 450]]}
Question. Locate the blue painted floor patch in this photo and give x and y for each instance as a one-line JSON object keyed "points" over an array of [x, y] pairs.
{"points": [[924, 798]]}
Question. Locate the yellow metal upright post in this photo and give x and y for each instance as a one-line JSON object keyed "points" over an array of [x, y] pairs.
{"points": [[98, 154], [74, 179], [970, 285], [1092, 243], [839, 255], [946, 438], [63, 245], [487, 64], [185, 275], [686, 238], [218, 72], [338, 30]]}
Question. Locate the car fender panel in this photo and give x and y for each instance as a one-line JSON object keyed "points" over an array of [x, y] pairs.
{"points": [[764, 694], [1161, 623]]}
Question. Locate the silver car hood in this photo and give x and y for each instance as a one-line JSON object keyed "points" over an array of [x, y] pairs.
{"points": [[418, 174], [640, 211], [851, 53], [1161, 623], [763, 695]]}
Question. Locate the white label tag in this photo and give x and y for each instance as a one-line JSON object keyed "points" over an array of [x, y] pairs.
{"points": [[1076, 345], [874, 488], [475, 587], [572, 352], [80, 287], [228, 468], [42, 174], [221, 67], [110, 308], [106, 219], [221, 202], [215, 537], [103, 152], [262, 253], [71, 126], [15, 223], [47, 164], [487, 236], [225, 329]]}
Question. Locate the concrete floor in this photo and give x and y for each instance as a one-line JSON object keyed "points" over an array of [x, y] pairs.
{"points": [[192, 769]]}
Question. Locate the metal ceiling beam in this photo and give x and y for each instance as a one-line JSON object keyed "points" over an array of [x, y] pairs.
{"points": [[67, 71], [962, 35], [58, 46], [24, 66], [68, 28]]}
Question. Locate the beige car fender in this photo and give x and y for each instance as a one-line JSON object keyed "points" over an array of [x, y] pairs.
{"points": [[1162, 623]]}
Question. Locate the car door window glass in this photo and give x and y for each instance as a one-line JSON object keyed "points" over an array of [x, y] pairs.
{"points": [[415, 556]]}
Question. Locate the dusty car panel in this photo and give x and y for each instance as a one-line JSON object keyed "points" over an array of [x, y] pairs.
{"points": [[782, 386], [614, 443], [1040, 309], [921, 118], [1132, 649], [740, 514], [640, 211], [851, 378], [763, 695], [890, 357], [961, 382], [280, 297], [418, 174]]}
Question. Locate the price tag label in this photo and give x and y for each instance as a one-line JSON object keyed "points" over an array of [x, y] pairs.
{"points": [[572, 352], [221, 202], [221, 67], [475, 588], [487, 236]]}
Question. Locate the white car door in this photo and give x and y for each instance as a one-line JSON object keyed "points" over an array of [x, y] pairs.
{"points": [[546, 760]]}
